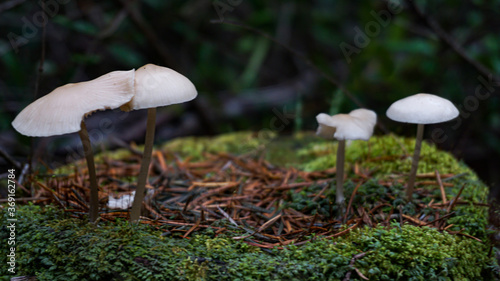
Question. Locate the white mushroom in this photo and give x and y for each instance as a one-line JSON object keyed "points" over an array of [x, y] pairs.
{"points": [[62, 112], [420, 109], [155, 86], [124, 202], [357, 125]]}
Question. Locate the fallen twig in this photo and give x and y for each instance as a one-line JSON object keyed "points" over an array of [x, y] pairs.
{"points": [[351, 264], [454, 201]]}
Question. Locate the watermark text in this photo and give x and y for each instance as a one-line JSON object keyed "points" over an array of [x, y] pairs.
{"points": [[11, 221]]}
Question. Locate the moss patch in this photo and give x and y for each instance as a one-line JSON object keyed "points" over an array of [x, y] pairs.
{"points": [[383, 155], [53, 246], [237, 143]]}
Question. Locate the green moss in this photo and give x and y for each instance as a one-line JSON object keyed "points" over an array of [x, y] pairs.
{"points": [[118, 154], [418, 252], [382, 155], [53, 246], [238, 143]]}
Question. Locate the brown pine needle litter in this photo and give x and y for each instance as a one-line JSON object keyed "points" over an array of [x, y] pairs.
{"points": [[246, 198]]}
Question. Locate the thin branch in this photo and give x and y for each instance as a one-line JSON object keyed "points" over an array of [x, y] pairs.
{"points": [[350, 200], [113, 25], [351, 264], [441, 187], [455, 200], [9, 159], [451, 42], [439, 219], [22, 175], [25, 199]]}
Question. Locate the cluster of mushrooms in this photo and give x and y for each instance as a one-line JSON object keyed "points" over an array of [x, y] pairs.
{"points": [[418, 109], [63, 111]]}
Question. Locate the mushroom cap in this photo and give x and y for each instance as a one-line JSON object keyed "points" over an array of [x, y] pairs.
{"points": [[357, 125], [422, 109], [62, 110], [157, 86], [324, 130]]}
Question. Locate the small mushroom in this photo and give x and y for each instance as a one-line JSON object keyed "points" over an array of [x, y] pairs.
{"points": [[357, 125], [420, 109], [123, 202], [155, 86], [62, 112]]}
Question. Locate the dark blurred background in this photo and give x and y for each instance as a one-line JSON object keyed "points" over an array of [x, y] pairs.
{"points": [[271, 65]]}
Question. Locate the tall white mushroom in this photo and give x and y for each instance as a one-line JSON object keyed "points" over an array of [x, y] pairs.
{"points": [[63, 110], [420, 109], [155, 86], [357, 125]]}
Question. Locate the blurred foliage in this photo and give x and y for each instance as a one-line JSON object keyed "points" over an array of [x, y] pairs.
{"points": [[402, 56]]}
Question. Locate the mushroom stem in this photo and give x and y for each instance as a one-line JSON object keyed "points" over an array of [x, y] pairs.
{"points": [[340, 173], [414, 163], [146, 160], [89, 156]]}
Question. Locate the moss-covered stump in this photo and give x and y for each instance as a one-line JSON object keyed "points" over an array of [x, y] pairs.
{"points": [[249, 206], [53, 246]]}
